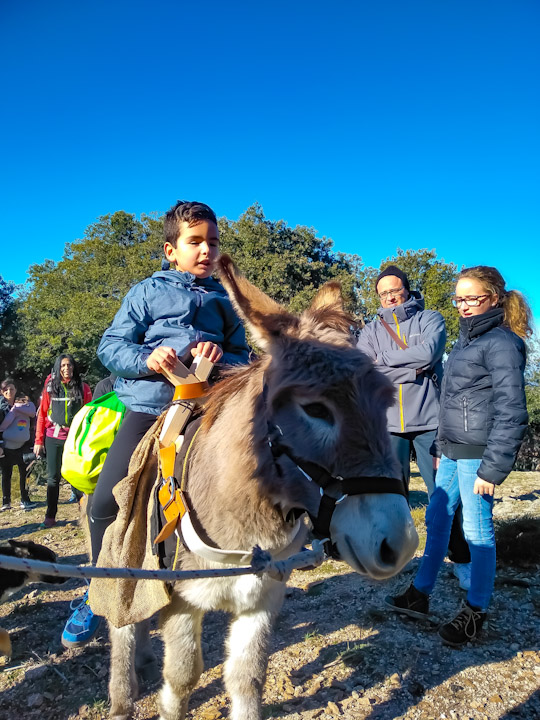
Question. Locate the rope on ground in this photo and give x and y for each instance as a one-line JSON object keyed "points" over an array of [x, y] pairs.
{"points": [[261, 562]]}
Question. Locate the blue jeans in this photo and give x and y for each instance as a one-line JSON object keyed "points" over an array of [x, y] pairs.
{"points": [[454, 483], [458, 550], [422, 441]]}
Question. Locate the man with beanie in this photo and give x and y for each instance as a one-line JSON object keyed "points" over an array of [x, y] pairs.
{"points": [[406, 342]]}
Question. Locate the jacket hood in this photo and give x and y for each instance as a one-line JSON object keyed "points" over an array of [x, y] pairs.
{"points": [[187, 279], [476, 325], [415, 303]]}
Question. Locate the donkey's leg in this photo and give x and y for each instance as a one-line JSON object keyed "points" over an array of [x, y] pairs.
{"points": [[146, 664], [182, 666], [247, 658], [123, 686]]}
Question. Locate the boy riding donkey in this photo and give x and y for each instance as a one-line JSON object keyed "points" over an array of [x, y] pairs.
{"points": [[173, 315]]}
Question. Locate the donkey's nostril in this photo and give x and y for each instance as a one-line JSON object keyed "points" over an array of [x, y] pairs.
{"points": [[388, 555]]}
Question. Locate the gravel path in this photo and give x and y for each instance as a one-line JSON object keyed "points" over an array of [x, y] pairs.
{"points": [[337, 653]]}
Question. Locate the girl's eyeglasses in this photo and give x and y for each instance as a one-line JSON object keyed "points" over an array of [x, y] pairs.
{"points": [[470, 300]]}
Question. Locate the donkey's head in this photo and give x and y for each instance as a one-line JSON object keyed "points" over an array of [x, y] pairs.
{"points": [[326, 404]]}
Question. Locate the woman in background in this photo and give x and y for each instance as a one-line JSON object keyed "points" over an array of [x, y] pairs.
{"points": [[63, 396], [482, 422]]}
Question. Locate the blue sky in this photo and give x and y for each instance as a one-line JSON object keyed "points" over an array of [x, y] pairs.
{"points": [[381, 124]]}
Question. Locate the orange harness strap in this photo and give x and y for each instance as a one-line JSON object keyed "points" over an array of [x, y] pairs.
{"points": [[190, 391], [171, 497], [174, 504]]}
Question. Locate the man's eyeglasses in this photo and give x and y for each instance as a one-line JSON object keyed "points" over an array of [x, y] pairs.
{"points": [[385, 294], [470, 300]]}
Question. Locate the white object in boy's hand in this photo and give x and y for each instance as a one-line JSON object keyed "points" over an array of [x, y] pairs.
{"points": [[208, 350]]}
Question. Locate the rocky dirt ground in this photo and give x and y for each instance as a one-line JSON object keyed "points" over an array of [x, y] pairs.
{"points": [[336, 653]]}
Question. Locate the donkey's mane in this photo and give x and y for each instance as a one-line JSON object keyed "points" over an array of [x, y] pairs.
{"points": [[235, 379]]}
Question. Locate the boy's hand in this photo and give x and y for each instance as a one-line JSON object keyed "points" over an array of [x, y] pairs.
{"points": [[208, 350], [162, 358], [483, 487]]}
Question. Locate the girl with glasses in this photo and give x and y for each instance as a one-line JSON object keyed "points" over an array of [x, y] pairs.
{"points": [[483, 419]]}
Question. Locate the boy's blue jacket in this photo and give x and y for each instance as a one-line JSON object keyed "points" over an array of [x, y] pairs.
{"points": [[174, 309]]}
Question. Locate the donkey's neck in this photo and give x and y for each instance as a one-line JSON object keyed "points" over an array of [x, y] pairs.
{"points": [[233, 481]]}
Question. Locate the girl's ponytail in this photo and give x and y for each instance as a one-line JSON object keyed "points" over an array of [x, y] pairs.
{"points": [[517, 313]]}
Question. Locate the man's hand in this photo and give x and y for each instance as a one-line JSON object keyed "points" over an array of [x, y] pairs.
{"points": [[208, 350], [436, 462], [38, 450], [483, 487], [162, 358]]}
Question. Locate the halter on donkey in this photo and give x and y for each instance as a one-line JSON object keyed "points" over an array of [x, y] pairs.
{"points": [[313, 410]]}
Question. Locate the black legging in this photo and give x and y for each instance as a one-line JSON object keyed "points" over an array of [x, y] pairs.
{"points": [[10, 459], [103, 507], [54, 449]]}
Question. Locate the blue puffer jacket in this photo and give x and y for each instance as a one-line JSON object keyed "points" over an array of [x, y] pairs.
{"points": [[174, 309], [483, 407]]}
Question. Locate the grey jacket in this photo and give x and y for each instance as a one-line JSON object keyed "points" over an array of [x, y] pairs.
{"points": [[416, 407]]}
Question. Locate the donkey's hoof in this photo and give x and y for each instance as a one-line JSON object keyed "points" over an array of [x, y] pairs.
{"points": [[149, 672]]}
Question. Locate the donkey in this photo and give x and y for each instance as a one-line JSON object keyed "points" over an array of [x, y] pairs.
{"points": [[311, 403]]}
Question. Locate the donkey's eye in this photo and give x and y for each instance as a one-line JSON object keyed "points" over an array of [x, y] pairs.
{"points": [[319, 411]]}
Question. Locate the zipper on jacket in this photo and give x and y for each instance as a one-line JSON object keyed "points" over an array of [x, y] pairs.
{"points": [[465, 403], [400, 393]]}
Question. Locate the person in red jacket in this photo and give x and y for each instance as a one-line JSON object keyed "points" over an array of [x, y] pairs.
{"points": [[63, 396]]}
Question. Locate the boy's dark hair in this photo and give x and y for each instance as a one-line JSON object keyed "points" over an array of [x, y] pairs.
{"points": [[184, 211]]}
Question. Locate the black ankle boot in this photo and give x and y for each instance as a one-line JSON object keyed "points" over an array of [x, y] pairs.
{"points": [[464, 628], [412, 602]]}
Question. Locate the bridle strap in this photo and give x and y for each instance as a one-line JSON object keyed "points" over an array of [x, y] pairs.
{"points": [[355, 485]]}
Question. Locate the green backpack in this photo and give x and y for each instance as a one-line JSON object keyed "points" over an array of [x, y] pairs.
{"points": [[90, 436]]}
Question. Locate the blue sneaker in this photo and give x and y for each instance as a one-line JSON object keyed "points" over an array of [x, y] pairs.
{"points": [[82, 625]]}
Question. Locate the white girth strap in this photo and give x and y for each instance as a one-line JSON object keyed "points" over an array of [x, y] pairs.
{"points": [[226, 557]]}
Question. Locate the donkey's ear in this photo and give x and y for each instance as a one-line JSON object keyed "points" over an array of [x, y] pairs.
{"points": [[328, 310], [329, 296], [266, 319]]}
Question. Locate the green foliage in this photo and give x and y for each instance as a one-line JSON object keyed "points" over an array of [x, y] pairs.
{"points": [[71, 303], [68, 305], [10, 329], [289, 264], [532, 379], [434, 278]]}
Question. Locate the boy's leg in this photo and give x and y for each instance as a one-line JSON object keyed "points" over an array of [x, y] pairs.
{"points": [[402, 448], [104, 508], [101, 510], [480, 534], [53, 448], [439, 514]]}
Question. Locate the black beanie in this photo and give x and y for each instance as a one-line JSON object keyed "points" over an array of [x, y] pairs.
{"points": [[396, 272]]}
